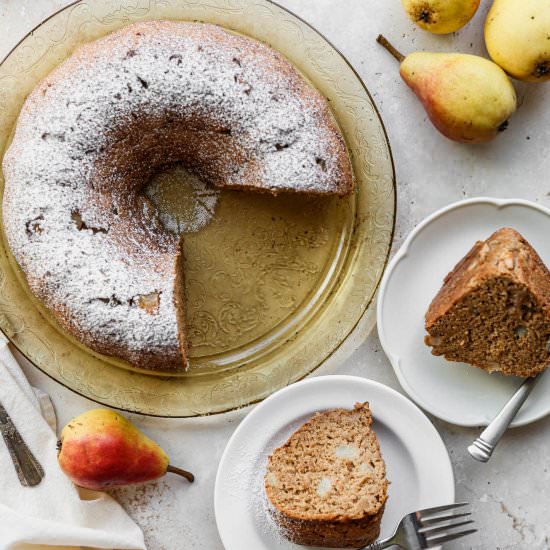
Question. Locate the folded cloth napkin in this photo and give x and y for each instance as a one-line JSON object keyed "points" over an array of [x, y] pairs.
{"points": [[54, 512]]}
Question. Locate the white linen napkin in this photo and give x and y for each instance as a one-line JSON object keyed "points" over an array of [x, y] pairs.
{"points": [[54, 512]]}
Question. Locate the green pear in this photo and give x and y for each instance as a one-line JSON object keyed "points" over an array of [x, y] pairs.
{"points": [[100, 450], [468, 98], [517, 36], [440, 16]]}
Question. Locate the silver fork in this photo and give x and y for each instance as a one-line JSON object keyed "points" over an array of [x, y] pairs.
{"points": [[482, 448], [425, 529]]}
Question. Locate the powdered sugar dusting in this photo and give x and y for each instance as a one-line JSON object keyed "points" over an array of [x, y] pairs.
{"points": [[88, 138], [246, 480], [252, 469]]}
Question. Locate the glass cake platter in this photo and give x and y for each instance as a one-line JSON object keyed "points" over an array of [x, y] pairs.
{"points": [[274, 285]]}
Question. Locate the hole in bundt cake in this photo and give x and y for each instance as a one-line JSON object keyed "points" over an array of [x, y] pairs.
{"points": [[130, 53], [183, 201], [237, 61], [281, 146], [322, 163], [81, 225]]}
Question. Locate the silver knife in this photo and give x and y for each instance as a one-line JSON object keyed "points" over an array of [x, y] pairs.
{"points": [[28, 469]]}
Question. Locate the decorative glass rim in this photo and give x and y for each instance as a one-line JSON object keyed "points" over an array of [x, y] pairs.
{"points": [[367, 305]]}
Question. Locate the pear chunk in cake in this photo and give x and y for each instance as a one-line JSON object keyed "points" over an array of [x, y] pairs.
{"points": [[326, 486], [493, 310]]}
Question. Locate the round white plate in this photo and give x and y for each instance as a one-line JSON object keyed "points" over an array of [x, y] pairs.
{"points": [[417, 462], [455, 392]]}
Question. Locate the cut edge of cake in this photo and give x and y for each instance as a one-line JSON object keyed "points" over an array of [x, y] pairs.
{"points": [[493, 310], [355, 452]]}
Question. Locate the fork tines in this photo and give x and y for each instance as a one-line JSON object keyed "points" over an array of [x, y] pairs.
{"points": [[435, 527]]}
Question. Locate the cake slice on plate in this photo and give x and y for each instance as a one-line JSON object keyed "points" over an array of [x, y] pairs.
{"points": [[493, 310], [326, 486]]}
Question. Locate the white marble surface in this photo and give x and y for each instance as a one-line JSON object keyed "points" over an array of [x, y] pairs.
{"points": [[511, 495]]}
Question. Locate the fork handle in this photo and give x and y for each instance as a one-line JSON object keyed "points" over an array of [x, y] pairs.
{"points": [[482, 448]]}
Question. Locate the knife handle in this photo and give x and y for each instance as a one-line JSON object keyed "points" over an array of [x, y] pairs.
{"points": [[29, 471]]}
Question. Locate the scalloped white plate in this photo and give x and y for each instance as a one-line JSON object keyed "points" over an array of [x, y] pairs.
{"points": [[454, 392], [417, 462]]}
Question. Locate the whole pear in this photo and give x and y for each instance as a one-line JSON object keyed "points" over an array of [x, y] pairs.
{"points": [[468, 98], [100, 450], [441, 16], [517, 36]]}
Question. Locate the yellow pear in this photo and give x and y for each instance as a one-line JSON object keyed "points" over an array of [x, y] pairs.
{"points": [[441, 16], [100, 450], [468, 98], [517, 36]]}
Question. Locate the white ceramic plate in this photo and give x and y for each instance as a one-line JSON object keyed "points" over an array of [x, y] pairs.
{"points": [[418, 465], [455, 392]]}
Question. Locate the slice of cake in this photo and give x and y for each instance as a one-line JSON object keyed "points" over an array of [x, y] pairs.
{"points": [[493, 310], [326, 486]]}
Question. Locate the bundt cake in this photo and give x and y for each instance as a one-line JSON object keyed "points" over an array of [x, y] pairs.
{"points": [[493, 310], [89, 137], [326, 486]]}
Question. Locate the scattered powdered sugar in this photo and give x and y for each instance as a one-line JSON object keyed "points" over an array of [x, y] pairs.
{"points": [[252, 469], [246, 481], [145, 503], [92, 247], [185, 203]]}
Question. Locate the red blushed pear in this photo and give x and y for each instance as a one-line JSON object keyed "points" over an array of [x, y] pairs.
{"points": [[468, 98], [101, 449]]}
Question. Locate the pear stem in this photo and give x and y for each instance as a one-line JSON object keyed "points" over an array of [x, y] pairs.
{"points": [[184, 473], [385, 42]]}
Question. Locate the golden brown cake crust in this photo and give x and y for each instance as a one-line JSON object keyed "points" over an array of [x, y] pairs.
{"points": [[347, 533], [233, 111], [507, 266]]}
